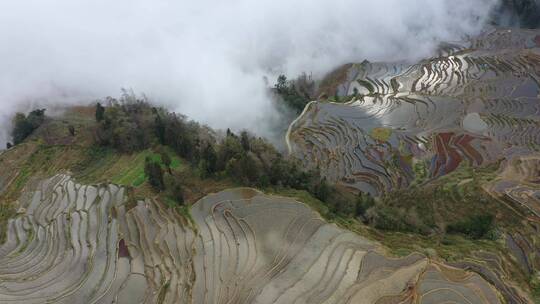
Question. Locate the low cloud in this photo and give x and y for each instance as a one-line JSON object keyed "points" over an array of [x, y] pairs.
{"points": [[206, 59]]}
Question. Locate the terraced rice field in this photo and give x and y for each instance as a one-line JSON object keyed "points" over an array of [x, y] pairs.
{"points": [[73, 243], [519, 182], [477, 102]]}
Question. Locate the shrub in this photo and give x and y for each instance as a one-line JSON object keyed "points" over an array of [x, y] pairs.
{"points": [[245, 141], [475, 227], [364, 202], [154, 173], [392, 220], [100, 112], [178, 192], [24, 125], [244, 169], [166, 160], [208, 162], [321, 190], [290, 94]]}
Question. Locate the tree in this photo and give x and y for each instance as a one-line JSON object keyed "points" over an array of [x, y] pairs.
{"points": [[244, 140], [244, 169], [160, 128], [364, 201], [178, 192], [475, 226], [281, 85], [290, 95], [208, 162], [228, 149], [321, 190], [25, 125], [22, 128], [336, 96], [154, 173], [166, 160], [100, 112], [8, 145], [71, 130]]}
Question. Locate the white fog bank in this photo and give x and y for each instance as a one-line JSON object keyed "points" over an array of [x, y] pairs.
{"points": [[206, 58]]}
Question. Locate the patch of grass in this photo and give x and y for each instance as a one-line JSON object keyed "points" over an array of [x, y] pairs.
{"points": [[6, 212], [175, 162], [186, 213], [381, 134], [132, 173], [131, 169], [105, 165], [141, 178], [163, 292], [535, 287], [93, 164], [44, 161]]}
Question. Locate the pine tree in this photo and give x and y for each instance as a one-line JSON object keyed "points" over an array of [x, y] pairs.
{"points": [[166, 160], [100, 112], [244, 140], [154, 173]]}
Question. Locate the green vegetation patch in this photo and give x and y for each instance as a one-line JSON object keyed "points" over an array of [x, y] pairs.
{"points": [[104, 164], [455, 203], [381, 134], [6, 212], [131, 173], [475, 226]]}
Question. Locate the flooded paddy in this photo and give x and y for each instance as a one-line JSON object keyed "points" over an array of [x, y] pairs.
{"points": [[74, 243], [472, 103]]}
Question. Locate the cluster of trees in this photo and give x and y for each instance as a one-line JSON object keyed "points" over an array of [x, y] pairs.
{"points": [[416, 210], [474, 226], [364, 202], [24, 125], [405, 210], [126, 124], [131, 124], [294, 93], [162, 180]]}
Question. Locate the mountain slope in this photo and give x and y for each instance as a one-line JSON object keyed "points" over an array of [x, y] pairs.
{"points": [[73, 243], [129, 203]]}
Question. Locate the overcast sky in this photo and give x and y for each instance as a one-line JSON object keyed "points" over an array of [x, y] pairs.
{"points": [[206, 59]]}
